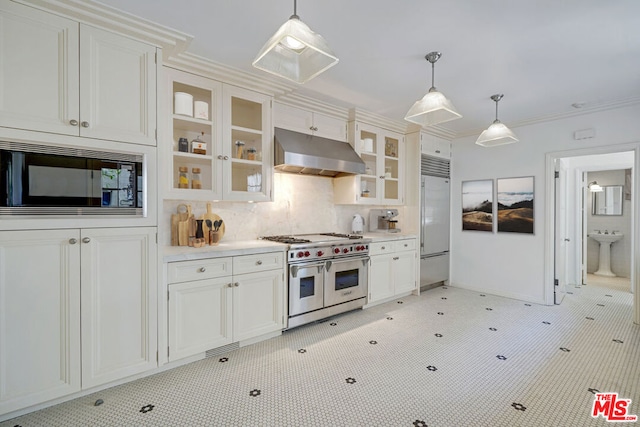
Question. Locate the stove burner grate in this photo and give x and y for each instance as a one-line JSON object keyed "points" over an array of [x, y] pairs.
{"points": [[346, 236], [285, 239]]}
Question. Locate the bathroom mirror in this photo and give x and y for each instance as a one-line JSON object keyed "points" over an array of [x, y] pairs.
{"points": [[608, 201]]}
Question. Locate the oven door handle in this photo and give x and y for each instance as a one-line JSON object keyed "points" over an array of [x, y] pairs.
{"points": [[294, 269], [365, 261], [327, 265]]}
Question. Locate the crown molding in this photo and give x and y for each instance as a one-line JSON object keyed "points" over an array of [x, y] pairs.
{"points": [[302, 101], [106, 17], [613, 105], [186, 61], [359, 115]]}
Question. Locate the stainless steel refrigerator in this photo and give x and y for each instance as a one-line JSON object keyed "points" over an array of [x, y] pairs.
{"points": [[434, 220]]}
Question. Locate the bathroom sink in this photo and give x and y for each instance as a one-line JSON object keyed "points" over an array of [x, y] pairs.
{"points": [[605, 238]]}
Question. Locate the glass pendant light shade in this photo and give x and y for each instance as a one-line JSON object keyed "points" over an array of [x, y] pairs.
{"points": [[497, 133], [434, 107], [295, 53]]}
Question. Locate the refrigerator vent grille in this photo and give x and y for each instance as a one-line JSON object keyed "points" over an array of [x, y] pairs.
{"points": [[435, 166]]}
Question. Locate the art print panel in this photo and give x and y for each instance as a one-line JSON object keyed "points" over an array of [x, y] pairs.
{"points": [[515, 205], [477, 205]]}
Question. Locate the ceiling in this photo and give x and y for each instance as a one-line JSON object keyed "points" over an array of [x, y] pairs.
{"points": [[544, 55]]}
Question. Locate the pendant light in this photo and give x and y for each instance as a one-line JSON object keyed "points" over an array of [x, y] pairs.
{"points": [[497, 133], [434, 107], [295, 52]]}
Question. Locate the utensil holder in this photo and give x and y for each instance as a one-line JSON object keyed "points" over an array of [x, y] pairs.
{"points": [[214, 238]]}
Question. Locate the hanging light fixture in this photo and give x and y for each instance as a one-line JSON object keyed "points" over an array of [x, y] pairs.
{"points": [[594, 187], [295, 52], [434, 107], [497, 133]]}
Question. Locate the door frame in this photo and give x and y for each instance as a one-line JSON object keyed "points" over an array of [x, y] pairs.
{"points": [[550, 223]]}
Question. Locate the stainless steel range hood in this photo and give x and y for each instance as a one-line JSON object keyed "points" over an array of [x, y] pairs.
{"points": [[312, 155]]}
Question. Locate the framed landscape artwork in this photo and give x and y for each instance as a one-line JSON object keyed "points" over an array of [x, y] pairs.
{"points": [[477, 205], [515, 205]]}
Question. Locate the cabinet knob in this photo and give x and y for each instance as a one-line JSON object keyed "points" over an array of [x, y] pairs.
{"points": [[236, 284], [381, 176], [230, 285], [438, 151], [202, 269], [406, 245], [395, 258], [383, 248], [73, 122], [220, 157], [73, 241], [86, 240], [226, 157], [259, 262], [85, 124]]}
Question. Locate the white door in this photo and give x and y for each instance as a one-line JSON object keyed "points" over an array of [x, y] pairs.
{"points": [[117, 87], [561, 233], [39, 88], [119, 303], [258, 304], [404, 271], [39, 316], [199, 316], [381, 281]]}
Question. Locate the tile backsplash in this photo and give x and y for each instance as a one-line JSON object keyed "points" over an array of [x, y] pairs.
{"points": [[302, 204]]}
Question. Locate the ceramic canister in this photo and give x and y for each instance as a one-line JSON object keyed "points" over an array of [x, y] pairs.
{"points": [[183, 104]]}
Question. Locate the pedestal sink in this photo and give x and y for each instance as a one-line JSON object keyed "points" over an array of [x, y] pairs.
{"points": [[605, 240]]}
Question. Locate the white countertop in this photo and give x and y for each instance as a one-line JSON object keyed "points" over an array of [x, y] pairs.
{"points": [[386, 236], [224, 249], [249, 247]]}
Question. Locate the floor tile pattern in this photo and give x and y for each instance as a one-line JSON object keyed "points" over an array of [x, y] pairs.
{"points": [[449, 357]]}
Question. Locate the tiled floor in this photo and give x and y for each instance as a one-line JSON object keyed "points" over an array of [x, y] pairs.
{"points": [[449, 357]]}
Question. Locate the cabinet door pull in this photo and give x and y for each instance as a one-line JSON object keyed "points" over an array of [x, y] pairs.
{"points": [[85, 124], [395, 258], [202, 269], [438, 151], [86, 240], [259, 262], [73, 241], [73, 122]]}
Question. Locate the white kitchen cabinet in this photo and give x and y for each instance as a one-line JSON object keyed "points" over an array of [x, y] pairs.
{"points": [[383, 152], [238, 163], [40, 316], [59, 76], [218, 301], [78, 310], [119, 303], [435, 146], [392, 270], [309, 122]]}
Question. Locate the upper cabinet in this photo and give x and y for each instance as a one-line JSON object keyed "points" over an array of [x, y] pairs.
{"points": [[221, 146], [434, 146], [59, 76], [309, 122], [383, 152]]}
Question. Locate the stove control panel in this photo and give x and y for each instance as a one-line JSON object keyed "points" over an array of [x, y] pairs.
{"points": [[327, 252]]}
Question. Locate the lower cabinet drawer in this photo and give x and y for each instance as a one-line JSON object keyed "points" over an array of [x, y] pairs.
{"points": [[379, 248], [186, 271], [259, 262], [405, 245]]}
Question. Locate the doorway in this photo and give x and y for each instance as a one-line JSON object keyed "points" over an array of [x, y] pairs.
{"points": [[565, 233]]}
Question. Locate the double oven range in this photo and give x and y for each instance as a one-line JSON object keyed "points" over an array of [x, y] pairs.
{"points": [[327, 274]]}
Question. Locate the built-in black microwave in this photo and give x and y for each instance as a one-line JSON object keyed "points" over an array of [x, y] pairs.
{"points": [[48, 180]]}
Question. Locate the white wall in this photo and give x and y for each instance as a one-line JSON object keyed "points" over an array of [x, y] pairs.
{"points": [[513, 264]]}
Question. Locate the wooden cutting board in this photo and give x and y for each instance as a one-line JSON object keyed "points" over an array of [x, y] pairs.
{"points": [[176, 218], [183, 228]]}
